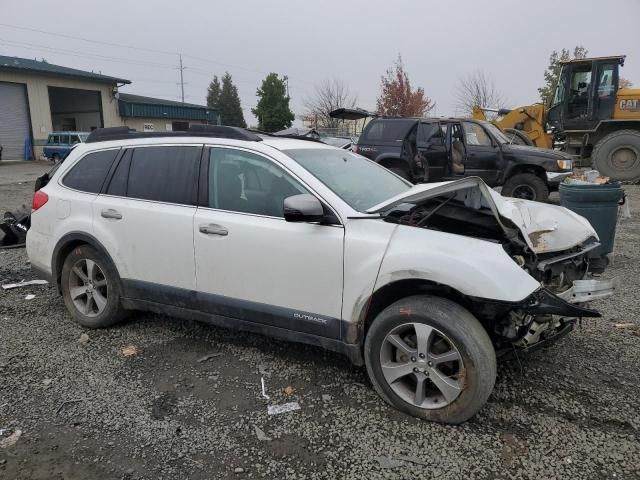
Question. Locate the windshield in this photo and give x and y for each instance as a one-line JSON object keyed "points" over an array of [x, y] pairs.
{"points": [[497, 133], [361, 183]]}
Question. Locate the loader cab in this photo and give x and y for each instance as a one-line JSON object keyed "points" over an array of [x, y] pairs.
{"points": [[585, 94]]}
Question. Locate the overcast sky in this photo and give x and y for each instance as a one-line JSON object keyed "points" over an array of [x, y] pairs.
{"points": [[355, 41]]}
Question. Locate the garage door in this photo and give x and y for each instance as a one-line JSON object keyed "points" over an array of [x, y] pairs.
{"points": [[14, 120]]}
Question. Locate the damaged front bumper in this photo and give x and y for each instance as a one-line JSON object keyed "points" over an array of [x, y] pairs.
{"points": [[547, 316]]}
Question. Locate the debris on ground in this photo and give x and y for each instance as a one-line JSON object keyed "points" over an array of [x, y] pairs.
{"points": [[11, 439], [264, 390], [84, 339], [132, 350], [238, 470], [388, 462], [261, 435], [208, 357], [285, 407], [624, 325], [9, 286], [46, 382], [68, 402], [288, 390], [31, 296], [326, 398], [14, 226]]}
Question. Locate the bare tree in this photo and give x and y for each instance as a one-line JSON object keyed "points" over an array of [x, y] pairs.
{"points": [[477, 89], [328, 96]]}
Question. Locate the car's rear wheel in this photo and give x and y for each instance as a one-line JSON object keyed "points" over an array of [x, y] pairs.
{"points": [[429, 357], [526, 186], [91, 288]]}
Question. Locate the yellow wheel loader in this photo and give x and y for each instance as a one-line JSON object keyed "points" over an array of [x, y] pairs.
{"points": [[589, 116]]}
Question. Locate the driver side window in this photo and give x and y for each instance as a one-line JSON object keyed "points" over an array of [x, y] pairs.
{"points": [[241, 181]]}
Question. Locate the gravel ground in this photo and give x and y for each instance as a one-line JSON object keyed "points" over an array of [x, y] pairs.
{"points": [[85, 410]]}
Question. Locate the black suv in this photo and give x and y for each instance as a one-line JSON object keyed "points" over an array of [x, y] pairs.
{"points": [[436, 149]]}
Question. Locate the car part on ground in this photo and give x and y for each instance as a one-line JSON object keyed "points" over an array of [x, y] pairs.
{"points": [[14, 227]]}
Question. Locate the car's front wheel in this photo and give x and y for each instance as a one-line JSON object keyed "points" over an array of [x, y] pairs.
{"points": [[429, 357], [91, 288], [526, 186]]}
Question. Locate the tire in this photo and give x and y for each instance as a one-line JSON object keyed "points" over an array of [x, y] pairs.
{"points": [[618, 155], [104, 308], [527, 186], [451, 324], [401, 172], [55, 158], [517, 137]]}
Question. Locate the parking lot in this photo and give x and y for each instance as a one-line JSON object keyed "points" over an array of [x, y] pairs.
{"points": [[157, 397]]}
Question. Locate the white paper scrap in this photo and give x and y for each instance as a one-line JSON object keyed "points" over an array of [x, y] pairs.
{"points": [[8, 286], [285, 407]]}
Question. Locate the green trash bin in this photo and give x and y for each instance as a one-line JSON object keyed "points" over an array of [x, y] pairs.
{"points": [[599, 204]]}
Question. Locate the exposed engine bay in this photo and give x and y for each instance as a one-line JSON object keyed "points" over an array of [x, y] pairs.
{"points": [[535, 321]]}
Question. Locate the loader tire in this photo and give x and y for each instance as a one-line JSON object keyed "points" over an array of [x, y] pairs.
{"points": [[617, 155]]}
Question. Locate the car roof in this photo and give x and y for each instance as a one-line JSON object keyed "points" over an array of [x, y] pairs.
{"points": [[279, 143]]}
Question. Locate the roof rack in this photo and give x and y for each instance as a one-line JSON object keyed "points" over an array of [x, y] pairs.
{"points": [[292, 136], [214, 131]]}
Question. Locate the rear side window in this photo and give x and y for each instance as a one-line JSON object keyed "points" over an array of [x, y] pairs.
{"points": [[90, 172], [386, 131], [163, 174]]}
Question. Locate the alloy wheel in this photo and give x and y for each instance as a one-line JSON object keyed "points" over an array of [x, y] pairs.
{"points": [[88, 287], [422, 365]]}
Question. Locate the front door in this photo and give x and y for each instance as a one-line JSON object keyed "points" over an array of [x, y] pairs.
{"points": [[253, 265], [145, 220], [483, 154], [579, 105]]}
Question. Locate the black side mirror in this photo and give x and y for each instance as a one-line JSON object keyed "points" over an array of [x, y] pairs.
{"points": [[303, 208]]}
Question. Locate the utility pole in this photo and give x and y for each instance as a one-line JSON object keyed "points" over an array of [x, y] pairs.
{"points": [[181, 79]]}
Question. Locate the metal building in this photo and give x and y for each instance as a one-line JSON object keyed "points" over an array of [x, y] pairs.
{"points": [[37, 98]]}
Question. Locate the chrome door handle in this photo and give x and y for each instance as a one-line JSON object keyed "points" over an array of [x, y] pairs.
{"points": [[213, 229], [111, 213]]}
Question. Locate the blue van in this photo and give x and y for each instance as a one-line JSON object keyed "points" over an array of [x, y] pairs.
{"points": [[59, 144]]}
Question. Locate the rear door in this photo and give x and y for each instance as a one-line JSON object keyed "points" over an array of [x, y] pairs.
{"points": [[253, 265], [432, 149], [144, 219], [482, 153]]}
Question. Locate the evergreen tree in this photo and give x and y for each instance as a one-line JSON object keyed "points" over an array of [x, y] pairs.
{"points": [[228, 104], [213, 93], [272, 111]]}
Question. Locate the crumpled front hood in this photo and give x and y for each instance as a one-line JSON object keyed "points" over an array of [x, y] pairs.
{"points": [[546, 228]]}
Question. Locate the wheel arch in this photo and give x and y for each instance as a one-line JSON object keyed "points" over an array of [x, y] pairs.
{"points": [[66, 244], [536, 170], [392, 292]]}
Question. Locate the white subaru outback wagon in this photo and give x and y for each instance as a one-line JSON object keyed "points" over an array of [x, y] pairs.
{"points": [[425, 285]]}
